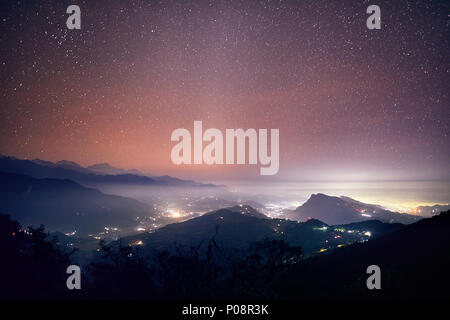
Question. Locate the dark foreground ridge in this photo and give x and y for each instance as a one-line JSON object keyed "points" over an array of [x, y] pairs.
{"points": [[413, 260]]}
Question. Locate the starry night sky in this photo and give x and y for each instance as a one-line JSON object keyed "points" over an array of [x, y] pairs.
{"points": [[350, 103]]}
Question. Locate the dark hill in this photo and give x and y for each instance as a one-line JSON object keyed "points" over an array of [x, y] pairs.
{"points": [[342, 210], [414, 264], [236, 227], [63, 205]]}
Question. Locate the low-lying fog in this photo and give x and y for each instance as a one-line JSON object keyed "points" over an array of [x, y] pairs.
{"points": [[273, 198]]}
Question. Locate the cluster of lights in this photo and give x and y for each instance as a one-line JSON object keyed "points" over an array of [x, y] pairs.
{"points": [[100, 234], [136, 243], [111, 229], [23, 231], [174, 213]]}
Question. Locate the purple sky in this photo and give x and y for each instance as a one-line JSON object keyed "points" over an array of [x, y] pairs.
{"points": [[350, 103]]}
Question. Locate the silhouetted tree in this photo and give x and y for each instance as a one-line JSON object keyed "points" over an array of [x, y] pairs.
{"points": [[120, 272], [32, 265]]}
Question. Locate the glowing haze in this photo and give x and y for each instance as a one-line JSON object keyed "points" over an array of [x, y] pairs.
{"points": [[350, 103]]}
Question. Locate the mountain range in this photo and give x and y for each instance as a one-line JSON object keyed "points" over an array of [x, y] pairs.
{"points": [[101, 174], [61, 196], [236, 227], [64, 205], [106, 168]]}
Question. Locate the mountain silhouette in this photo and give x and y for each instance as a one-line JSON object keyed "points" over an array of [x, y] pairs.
{"points": [[343, 210], [64, 205], [236, 227], [414, 263], [72, 171], [105, 169], [63, 164]]}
